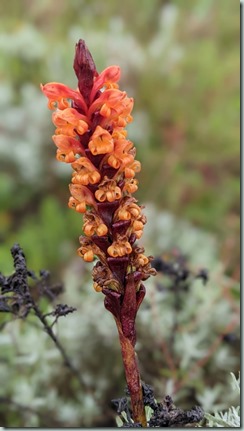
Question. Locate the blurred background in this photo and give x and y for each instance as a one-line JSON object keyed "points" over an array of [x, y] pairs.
{"points": [[180, 62]]}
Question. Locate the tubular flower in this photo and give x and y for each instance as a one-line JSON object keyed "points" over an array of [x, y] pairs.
{"points": [[69, 122], [81, 196], [101, 142], [93, 225], [67, 148], [122, 155], [90, 135], [88, 250], [85, 172], [130, 186], [59, 96], [120, 248], [108, 190]]}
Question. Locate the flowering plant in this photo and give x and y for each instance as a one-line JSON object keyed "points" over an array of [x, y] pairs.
{"points": [[90, 135]]}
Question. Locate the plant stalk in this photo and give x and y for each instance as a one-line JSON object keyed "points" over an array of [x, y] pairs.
{"points": [[132, 376]]}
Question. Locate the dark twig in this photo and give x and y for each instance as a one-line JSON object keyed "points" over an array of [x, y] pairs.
{"points": [[59, 346], [174, 266], [16, 298], [165, 414], [169, 416]]}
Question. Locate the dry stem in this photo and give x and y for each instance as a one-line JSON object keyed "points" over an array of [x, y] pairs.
{"points": [[132, 377]]}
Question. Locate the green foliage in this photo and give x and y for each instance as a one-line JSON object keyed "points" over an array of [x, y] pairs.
{"points": [[120, 423], [230, 418], [48, 237]]}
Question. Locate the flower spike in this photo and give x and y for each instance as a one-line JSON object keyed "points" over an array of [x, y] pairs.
{"points": [[90, 135]]}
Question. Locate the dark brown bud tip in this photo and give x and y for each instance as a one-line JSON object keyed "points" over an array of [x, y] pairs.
{"points": [[85, 69]]}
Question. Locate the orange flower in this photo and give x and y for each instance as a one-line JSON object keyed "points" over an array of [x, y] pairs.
{"points": [[137, 228], [101, 142], [81, 197], [130, 186], [120, 247], [128, 210], [86, 251], [93, 225], [86, 173], [69, 122], [89, 250], [67, 157], [58, 95], [107, 79], [68, 148], [132, 168], [142, 259], [114, 106], [108, 191], [121, 156]]}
